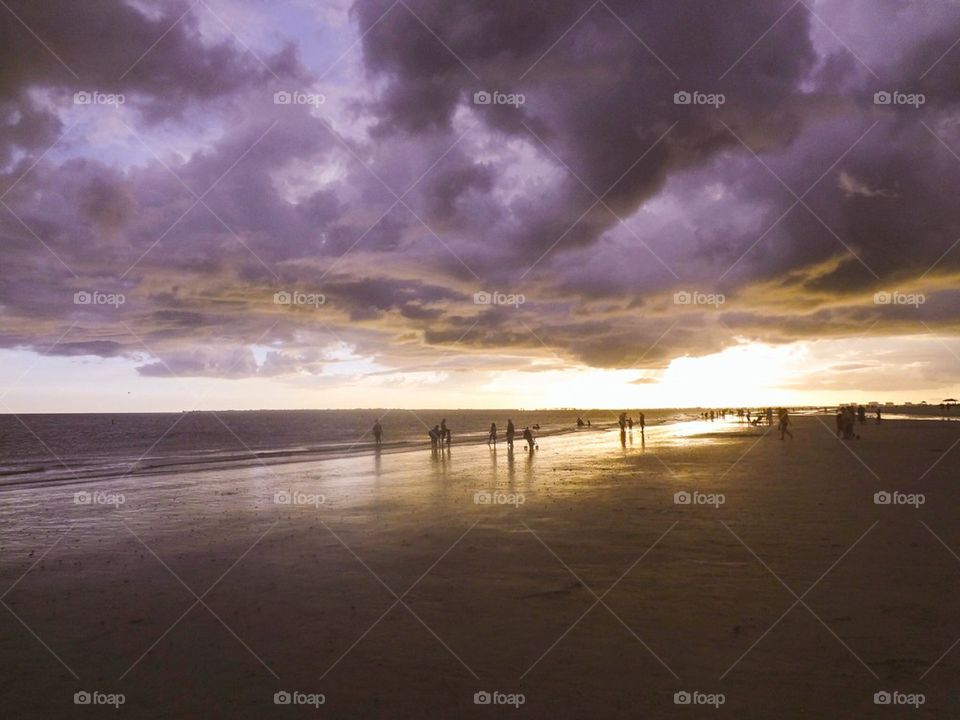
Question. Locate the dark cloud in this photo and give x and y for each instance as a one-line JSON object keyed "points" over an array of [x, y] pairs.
{"points": [[402, 201]]}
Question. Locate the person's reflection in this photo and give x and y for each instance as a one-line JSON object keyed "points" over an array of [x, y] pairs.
{"points": [[377, 469], [510, 468]]}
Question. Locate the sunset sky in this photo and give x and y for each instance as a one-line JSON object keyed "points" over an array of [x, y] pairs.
{"points": [[786, 237]]}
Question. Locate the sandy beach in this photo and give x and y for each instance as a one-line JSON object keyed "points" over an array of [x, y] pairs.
{"points": [[575, 582]]}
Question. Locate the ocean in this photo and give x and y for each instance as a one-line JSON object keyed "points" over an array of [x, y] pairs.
{"points": [[63, 448]]}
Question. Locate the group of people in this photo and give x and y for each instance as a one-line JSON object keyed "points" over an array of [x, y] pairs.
{"points": [[626, 422], [848, 416], [440, 434], [511, 434], [754, 417]]}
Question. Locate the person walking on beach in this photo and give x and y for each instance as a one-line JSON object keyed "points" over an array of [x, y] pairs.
{"points": [[492, 437], [434, 437], [643, 422], [510, 433], [862, 414], [630, 424], [378, 433], [784, 423], [849, 417], [444, 432]]}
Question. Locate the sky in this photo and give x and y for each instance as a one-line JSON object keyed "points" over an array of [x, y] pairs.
{"points": [[212, 204]]}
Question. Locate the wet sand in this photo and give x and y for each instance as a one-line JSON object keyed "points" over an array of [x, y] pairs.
{"points": [[593, 595]]}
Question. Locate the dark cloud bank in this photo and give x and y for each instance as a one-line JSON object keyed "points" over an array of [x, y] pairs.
{"points": [[597, 199]]}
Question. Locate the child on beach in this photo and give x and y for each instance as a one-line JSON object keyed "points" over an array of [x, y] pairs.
{"points": [[492, 437]]}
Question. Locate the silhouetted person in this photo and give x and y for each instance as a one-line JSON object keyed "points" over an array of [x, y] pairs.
{"points": [[862, 414], [878, 414], [510, 433], [492, 437], [444, 432], [839, 422], [528, 436], [785, 423], [630, 424], [434, 437], [580, 422], [378, 433], [643, 423]]}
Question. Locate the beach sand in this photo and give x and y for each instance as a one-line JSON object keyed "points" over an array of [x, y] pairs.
{"points": [[596, 596]]}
